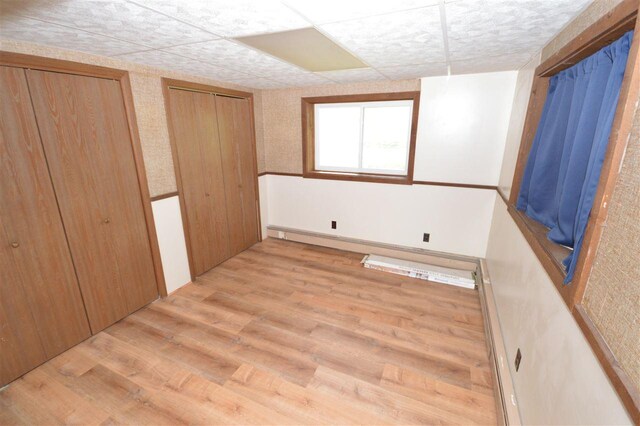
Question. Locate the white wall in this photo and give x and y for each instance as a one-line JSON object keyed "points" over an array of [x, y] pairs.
{"points": [[516, 124], [264, 209], [560, 380], [173, 249], [463, 126], [458, 219]]}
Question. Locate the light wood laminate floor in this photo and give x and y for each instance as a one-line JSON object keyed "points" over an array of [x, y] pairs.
{"points": [[284, 333]]}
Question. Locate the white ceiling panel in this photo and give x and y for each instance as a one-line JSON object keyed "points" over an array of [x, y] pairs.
{"points": [[232, 55], [326, 11], [490, 64], [478, 28], [230, 18], [19, 28], [114, 18], [399, 38], [260, 83], [353, 76], [406, 72], [302, 79], [160, 59]]}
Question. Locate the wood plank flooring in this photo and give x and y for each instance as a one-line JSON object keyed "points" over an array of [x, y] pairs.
{"points": [[283, 333]]}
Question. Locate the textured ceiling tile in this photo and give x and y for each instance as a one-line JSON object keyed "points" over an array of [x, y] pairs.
{"points": [[395, 39], [114, 18], [490, 64], [231, 18], [479, 28], [259, 83], [352, 76], [227, 54], [405, 72], [302, 79], [160, 59], [26, 29], [321, 12]]}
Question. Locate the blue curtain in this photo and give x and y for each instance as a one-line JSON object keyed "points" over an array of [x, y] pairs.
{"points": [[563, 169]]}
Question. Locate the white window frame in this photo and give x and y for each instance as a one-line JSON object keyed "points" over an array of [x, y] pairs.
{"points": [[363, 106]]}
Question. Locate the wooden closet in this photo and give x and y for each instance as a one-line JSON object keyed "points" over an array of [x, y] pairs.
{"points": [[213, 143], [41, 309], [75, 251]]}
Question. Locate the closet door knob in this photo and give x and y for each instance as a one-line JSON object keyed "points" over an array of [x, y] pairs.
{"points": [[15, 244], [106, 220]]}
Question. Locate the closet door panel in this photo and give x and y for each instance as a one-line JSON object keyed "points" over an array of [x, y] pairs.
{"points": [[236, 143], [243, 129], [22, 348], [231, 167], [195, 131], [36, 259], [84, 132]]}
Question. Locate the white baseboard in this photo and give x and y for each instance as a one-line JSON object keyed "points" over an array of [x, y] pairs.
{"points": [[506, 403], [371, 247]]}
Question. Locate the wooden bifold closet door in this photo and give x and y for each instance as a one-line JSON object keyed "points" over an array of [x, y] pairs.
{"points": [[193, 119], [236, 144], [212, 137], [41, 310], [85, 134]]}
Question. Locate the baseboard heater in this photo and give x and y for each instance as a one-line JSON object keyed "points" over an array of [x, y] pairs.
{"points": [[423, 271]]}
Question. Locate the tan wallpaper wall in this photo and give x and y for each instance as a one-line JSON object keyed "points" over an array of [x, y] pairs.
{"points": [[281, 112], [149, 106], [612, 297]]}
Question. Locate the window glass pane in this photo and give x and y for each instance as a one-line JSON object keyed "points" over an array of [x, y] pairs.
{"points": [[386, 138], [337, 136]]}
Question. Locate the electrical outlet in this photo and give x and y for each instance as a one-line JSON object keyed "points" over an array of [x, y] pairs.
{"points": [[334, 224], [425, 237], [518, 358]]}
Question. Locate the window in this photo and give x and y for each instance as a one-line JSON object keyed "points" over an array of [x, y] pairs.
{"points": [[366, 137], [563, 168], [360, 137], [544, 181]]}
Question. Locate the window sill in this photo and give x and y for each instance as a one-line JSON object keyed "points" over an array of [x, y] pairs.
{"points": [[548, 253], [359, 177]]}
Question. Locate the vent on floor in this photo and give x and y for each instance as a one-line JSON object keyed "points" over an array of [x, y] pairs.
{"points": [[423, 271]]}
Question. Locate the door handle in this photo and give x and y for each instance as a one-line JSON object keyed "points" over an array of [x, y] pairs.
{"points": [[15, 244], [106, 220]]}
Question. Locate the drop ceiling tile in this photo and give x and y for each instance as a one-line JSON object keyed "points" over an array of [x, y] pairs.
{"points": [[513, 61], [26, 29], [321, 12], [353, 76], [478, 28], [114, 18], [231, 18], [228, 54], [165, 60], [260, 83], [302, 79], [399, 38], [406, 72]]}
